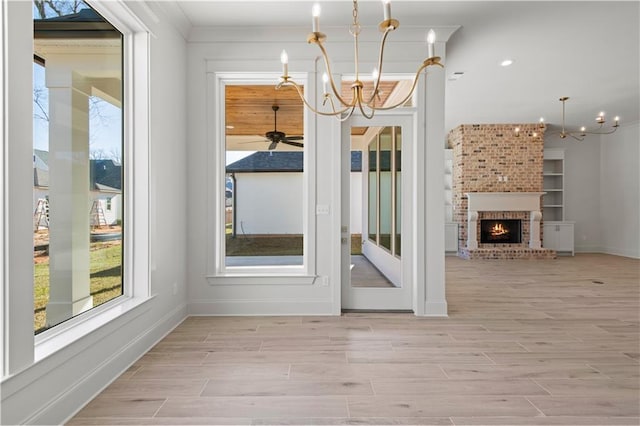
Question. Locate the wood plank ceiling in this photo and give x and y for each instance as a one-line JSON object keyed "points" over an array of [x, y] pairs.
{"points": [[249, 108]]}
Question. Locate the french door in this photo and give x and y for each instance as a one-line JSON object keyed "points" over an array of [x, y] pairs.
{"points": [[378, 276]]}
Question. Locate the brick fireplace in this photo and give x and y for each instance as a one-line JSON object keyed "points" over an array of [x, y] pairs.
{"points": [[497, 175]]}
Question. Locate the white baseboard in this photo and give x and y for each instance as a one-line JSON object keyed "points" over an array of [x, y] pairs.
{"points": [[70, 401], [435, 309], [621, 252], [608, 250], [260, 307]]}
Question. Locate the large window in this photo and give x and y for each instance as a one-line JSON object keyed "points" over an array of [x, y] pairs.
{"points": [[264, 177], [77, 161], [385, 191]]}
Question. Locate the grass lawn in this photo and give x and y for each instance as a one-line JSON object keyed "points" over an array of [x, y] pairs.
{"points": [[105, 279], [252, 245], [272, 245]]}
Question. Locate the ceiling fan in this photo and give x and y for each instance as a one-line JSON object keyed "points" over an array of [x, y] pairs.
{"points": [[275, 136]]}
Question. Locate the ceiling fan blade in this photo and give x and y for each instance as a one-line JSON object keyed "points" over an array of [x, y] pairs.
{"points": [[273, 145], [288, 142], [295, 138]]}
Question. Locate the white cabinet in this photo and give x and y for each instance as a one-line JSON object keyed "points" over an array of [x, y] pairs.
{"points": [[557, 233], [558, 236]]}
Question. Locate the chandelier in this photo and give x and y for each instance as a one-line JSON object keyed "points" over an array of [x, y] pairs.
{"points": [[580, 134], [366, 105]]}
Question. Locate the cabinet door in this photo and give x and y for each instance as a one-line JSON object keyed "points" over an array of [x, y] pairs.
{"points": [[549, 236], [565, 237], [558, 236]]}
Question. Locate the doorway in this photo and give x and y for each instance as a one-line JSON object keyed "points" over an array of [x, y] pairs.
{"points": [[376, 270]]}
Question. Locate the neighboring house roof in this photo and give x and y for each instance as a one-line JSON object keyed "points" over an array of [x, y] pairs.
{"points": [[104, 175], [83, 15], [105, 188], [41, 159], [281, 161], [40, 178], [86, 23], [356, 161], [40, 168], [385, 161]]}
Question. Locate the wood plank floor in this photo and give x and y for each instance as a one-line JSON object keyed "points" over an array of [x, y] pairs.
{"points": [[553, 342], [364, 274]]}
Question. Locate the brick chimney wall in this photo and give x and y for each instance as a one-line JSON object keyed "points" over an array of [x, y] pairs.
{"points": [[491, 158]]}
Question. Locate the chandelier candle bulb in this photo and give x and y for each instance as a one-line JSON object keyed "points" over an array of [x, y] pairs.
{"points": [[284, 58], [387, 9], [615, 121], [431, 39], [315, 12], [325, 80]]}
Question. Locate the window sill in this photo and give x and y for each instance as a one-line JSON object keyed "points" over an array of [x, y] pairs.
{"points": [[259, 279], [68, 332]]}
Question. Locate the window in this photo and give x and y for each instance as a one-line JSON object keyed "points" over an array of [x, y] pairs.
{"points": [[385, 192], [78, 160], [264, 177]]}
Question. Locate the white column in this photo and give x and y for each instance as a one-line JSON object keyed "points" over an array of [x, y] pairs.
{"points": [[69, 292], [534, 230], [433, 162], [472, 230]]}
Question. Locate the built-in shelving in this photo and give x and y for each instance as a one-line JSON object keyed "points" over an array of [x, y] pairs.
{"points": [[553, 185], [558, 234], [451, 228]]}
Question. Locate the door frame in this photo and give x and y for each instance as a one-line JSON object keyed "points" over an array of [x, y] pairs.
{"points": [[380, 298]]}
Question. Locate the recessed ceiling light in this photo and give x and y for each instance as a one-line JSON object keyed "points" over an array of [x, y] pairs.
{"points": [[506, 62], [230, 127]]}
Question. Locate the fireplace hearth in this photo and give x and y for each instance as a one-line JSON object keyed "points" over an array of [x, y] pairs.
{"points": [[500, 231]]}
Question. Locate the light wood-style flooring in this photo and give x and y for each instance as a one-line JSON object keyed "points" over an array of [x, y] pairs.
{"points": [[553, 342], [364, 274]]}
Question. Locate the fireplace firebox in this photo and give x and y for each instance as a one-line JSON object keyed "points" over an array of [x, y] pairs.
{"points": [[500, 231]]}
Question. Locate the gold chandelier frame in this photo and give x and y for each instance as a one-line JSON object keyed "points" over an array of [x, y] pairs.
{"points": [[368, 106], [580, 134]]}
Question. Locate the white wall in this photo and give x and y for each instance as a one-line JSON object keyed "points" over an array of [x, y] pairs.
{"points": [[271, 203], [54, 388], [237, 50], [581, 188], [602, 188], [268, 203], [620, 192], [114, 214]]}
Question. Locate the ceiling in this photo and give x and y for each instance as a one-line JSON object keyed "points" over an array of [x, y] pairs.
{"points": [[586, 50]]}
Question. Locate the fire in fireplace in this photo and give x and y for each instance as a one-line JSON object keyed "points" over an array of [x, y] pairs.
{"points": [[500, 231]]}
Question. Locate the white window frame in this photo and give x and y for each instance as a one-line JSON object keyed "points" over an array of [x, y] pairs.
{"points": [[218, 273], [136, 249]]}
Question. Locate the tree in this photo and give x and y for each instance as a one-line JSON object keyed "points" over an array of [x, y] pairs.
{"points": [[50, 8], [43, 9]]}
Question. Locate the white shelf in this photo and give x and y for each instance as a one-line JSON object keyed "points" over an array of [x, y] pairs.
{"points": [[557, 234], [451, 229], [553, 181]]}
